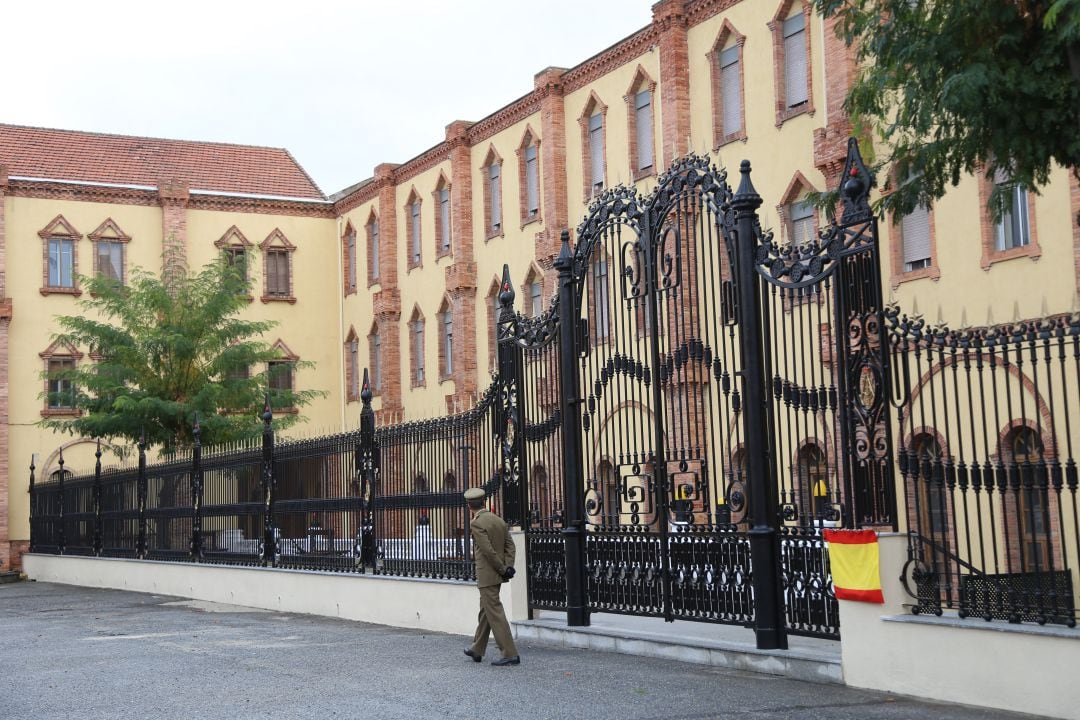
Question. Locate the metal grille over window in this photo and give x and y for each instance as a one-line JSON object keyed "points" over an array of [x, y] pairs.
{"points": [[795, 61]]}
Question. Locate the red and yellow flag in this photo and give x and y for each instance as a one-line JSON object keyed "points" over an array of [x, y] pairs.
{"points": [[853, 556]]}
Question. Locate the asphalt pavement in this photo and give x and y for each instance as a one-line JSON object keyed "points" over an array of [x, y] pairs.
{"points": [[72, 652]]}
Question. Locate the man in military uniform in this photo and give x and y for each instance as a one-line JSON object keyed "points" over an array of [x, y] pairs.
{"points": [[494, 551]]}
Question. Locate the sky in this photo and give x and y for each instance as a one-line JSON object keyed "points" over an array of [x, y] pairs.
{"points": [[343, 86]]}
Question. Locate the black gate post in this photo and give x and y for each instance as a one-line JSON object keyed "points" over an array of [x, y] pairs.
{"points": [[61, 539], [577, 606], [33, 501], [764, 503], [269, 543], [140, 498], [515, 473], [95, 498], [196, 493], [368, 453]]}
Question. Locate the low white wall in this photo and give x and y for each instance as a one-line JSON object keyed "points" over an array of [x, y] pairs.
{"points": [[434, 605], [1023, 668]]}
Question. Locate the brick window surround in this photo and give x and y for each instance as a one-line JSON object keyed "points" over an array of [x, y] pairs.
{"points": [[534, 277], [371, 229], [66, 279], [784, 14], [417, 357], [286, 379], [53, 356], [1025, 440], [528, 157], [594, 179], [728, 41], [352, 366], [348, 259], [988, 228], [233, 243], [277, 257], [642, 159], [414, 243], [443, 201], [109, 232], [491, 178]]}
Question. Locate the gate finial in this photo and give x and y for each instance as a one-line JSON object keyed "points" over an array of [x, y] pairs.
{"points": [[565, 257], [506, 294], [855, 184]]}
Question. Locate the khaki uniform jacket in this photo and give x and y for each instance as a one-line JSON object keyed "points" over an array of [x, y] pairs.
{"points": [[493, 547]]}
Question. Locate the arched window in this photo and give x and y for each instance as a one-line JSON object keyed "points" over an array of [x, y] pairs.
{"points": [[812, 482], [1032, 503], [933, 516]]}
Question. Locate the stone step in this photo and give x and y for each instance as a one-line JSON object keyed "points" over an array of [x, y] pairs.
{"points": [[810, 659], [10, 576]]}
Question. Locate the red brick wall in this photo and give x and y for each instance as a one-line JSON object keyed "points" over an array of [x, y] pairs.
{"points": [[669, 18], [173, 196]]}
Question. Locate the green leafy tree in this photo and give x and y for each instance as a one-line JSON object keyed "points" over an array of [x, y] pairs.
{"points": [[166, 349], [955, 86]]}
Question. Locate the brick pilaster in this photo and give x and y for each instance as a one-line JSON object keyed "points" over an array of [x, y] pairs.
{"points": [[388, 245], [173, 197], [386, 307], [461, 276], [553, 197], [669, 18], [830, 142]]}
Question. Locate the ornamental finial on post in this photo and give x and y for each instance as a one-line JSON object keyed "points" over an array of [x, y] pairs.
{"points": [[855, 184], [565, 259]]}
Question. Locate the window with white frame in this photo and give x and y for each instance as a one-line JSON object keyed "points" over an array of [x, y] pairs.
{"points": [[1012, 229], [61, 263]]}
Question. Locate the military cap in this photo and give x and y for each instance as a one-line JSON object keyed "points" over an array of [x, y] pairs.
{"points": [[474, 493]]}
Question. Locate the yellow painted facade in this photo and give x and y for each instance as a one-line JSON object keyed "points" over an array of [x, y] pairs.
{"points": [[676, 52]]}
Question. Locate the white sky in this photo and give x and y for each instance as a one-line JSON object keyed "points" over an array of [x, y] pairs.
{"points": [[342, 85]]}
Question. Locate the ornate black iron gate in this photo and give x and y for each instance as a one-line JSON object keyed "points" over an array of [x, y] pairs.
{"points": [[678, 405]]}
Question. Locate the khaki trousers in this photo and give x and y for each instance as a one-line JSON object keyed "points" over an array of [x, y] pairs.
{"points": [[492, 621]]}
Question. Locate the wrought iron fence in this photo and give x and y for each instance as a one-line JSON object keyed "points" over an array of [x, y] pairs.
{"points": [[386, 501], [986, 444]]}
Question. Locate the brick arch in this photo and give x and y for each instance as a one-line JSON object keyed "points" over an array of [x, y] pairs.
{"points": [[641, 81], [727, 33], [796, 188], [529, 138], [592, 106], [351, 351], [776, 27], [348, 258], [414, 236], [46, 469]]}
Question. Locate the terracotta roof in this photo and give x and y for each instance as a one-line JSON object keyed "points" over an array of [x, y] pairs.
{"points": [[127, 160]]}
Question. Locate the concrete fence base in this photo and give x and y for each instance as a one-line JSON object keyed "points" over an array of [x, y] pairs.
{"points": [[436, 605]]}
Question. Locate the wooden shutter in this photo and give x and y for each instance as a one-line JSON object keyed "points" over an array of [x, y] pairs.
{"points": [[643, 122], [915, 228], [795, 60], [731, 90]]}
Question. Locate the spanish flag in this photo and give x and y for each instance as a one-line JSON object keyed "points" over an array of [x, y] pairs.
{"points": [[853, 555]]}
